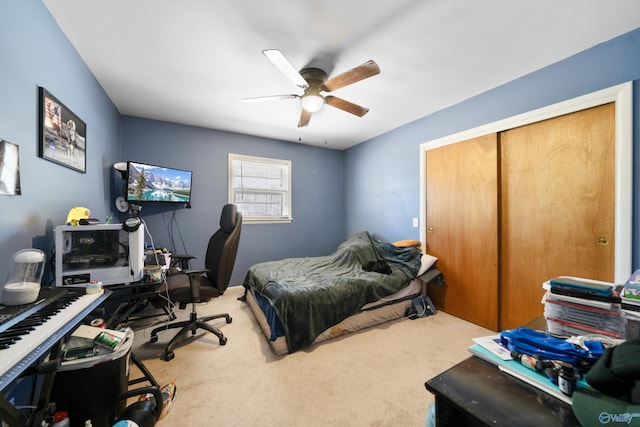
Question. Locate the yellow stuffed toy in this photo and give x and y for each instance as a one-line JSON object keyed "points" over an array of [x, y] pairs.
{"points": [[76, 214]]}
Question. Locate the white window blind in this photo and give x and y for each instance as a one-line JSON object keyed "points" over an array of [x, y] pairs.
{"points": [[260, 187]]}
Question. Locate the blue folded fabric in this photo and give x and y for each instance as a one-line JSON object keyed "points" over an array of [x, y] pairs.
{"points": [[534, 343]]}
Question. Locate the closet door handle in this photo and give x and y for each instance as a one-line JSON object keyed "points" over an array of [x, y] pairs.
{"points": [[602, 241], [430, 229]]}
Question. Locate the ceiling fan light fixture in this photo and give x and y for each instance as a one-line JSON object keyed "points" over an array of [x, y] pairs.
{"points": [[314, 81], [312, 102]]}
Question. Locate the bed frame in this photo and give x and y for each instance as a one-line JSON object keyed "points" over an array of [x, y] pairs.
{"points": [[389, 308]]}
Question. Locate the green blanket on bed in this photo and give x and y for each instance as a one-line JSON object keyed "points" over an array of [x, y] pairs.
{"points": [[312, 294]]}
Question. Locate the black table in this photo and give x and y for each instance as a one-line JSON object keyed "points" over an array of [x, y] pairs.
{"points": [[477, 393]]}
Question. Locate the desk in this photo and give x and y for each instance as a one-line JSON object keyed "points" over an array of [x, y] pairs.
{"points": [[140, 295]]}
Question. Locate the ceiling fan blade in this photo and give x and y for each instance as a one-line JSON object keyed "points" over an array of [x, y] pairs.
{"points": [[269, 98], [305, 116], [347, 106], [361, 72], [285, 67]]}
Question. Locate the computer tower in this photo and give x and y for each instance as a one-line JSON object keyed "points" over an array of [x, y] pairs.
{"points": [[98, 253]]}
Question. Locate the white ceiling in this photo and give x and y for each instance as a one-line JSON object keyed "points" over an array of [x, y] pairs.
{"points": [[192, 62]]}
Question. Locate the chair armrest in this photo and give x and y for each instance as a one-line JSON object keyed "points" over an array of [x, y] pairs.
{"points": [[182, 259], [195, 271]]}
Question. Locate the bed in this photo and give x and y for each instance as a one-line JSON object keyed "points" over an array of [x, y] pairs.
{"points": [[303, 301]]}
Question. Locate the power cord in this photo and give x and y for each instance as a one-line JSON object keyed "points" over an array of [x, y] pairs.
{"points": [[165, 286]]}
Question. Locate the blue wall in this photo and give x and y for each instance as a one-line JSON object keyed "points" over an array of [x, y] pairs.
{"points": [[382, 175], [317, 196], [35, 52]]}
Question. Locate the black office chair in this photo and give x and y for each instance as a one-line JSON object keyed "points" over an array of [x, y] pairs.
{"points": [[192, 286]]}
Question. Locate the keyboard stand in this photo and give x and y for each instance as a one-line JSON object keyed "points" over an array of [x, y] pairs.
{"points": [[50, 346], [10, 415]]}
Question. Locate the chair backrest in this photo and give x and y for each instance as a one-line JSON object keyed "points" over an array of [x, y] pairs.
{"points": [[223, 247]]}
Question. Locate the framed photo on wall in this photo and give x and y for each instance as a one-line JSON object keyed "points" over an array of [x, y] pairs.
{"points": [[63, 135]]}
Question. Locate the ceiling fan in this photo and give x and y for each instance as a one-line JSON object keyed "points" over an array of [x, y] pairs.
{"points": [[314, 82]]}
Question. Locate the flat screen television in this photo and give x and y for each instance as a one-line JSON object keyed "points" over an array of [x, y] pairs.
{"points": [[151, 183]]}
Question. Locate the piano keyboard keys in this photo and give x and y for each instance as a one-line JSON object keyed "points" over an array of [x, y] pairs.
{"points": [[39, 318], [22, 343]]}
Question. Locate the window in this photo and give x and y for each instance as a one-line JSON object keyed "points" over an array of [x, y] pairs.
{"points": [[260, 188]]}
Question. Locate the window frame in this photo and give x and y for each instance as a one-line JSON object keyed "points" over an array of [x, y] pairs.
{"points": [[276, 163]]}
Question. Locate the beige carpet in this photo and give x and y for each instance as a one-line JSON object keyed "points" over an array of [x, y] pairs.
{"points": [[371, 378]]}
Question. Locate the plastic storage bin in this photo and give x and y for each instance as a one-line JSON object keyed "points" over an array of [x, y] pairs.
{"points": [[88, 388]]}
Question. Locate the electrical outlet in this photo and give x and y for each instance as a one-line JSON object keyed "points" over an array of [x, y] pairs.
{"points": [[415, 222]]}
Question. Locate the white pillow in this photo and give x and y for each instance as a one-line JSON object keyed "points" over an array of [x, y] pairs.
{"points": [[426, 262]]}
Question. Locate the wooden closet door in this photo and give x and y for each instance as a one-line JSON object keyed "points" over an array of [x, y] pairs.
{"points": [[462, 228], [557, 207]]}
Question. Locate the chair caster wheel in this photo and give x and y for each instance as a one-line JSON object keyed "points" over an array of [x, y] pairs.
{"points": [[168, 355], [223, 340], [154, 338], [229, 320]]}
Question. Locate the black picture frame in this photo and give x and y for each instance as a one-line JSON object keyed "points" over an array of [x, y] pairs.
{"points": [[62, 134]]}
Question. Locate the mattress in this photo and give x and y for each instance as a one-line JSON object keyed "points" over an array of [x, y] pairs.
{"points": [[312, 294], [386, 309]]}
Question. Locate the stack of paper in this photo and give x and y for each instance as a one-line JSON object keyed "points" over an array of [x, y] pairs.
{"points": [[576, 306], [630, 296]]}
